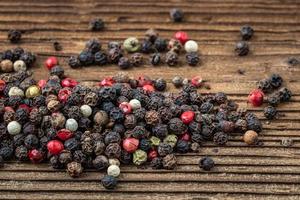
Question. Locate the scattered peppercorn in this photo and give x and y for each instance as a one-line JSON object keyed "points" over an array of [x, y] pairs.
{"points": [[96, 25], [14, 36], [109, 182], [57, 46], [242, 48], [176, 15], [206, 163], [192, 58], [246, 32], [270, 112], [250, 137]]}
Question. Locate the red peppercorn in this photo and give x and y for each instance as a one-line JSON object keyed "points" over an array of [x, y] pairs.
{"points": [[42, 83], [26, 107], [256, 97], [8, 109], [107, 82], [55, 147], [68, 82], [197, 81], [187, 116], [130, 144], [148, 88], [144, 80], [64, 94], [152, 154], [186, 137], [51, 62], [64, 134], [35, 156], [125, 107], [181, 36], [2, 85]]}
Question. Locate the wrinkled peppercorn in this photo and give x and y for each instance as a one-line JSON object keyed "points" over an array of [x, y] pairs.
{"points": [[160, 44], [169, 161], [176, 15], [172, 58], [155, 59], [74, 169], [124, 63], [14, 36], [96, 25], [242, 48], [206, 163], [183, 146], [157, 163], [270, 112], [192, 58], [100, 58], [247, 32], [109, 182], [220, 138]]}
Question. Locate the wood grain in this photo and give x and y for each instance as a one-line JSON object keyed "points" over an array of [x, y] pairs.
{"points": [[266, 172]]}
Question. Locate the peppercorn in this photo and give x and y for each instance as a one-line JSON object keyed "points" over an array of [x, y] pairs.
{"points": [[31, 141], [284, 94], [65, 157], [112, 137], [176, 15], [160, 44], [157, 163], [14, 36], [246, 32], [270, 112], [93, 45], [55, 147], [96, 25], [74, 62], [6, 152], [6, 66], [171, 140], [177, 81], [28, 58], [155, 59], [100, 163], [113, 170], [113, 161], [206, 163], [175, 45], [124, 63], [160, 84], [265, 85], [172, 58], [14, 128], [109, 182], [35, 155], [86, 58], [183, 146], [131, 44], [192, 58], [74, 169], [253, 122], [139, 157], [57, 46], [136, 59], [242, 48], [220, 138], [250, 137], [226, 126], [152, 117], [256, 97], [113, 150], [191, 46], [241, 125], [21, 153], [169, 161], [114, 55], [147, 47], [151, 35], [19, 65], [101, 118]]}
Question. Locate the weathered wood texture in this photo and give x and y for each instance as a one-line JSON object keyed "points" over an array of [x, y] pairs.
{"points": [[242, 172]]}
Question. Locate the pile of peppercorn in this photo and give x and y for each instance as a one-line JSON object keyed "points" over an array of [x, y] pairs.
{"points": [[152, 44], [120, 120]]}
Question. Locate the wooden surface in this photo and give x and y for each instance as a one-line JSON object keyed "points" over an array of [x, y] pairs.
{"points": [[242, 172]]}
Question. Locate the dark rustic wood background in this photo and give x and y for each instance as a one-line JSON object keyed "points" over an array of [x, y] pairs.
{"points": [[242, 172]]}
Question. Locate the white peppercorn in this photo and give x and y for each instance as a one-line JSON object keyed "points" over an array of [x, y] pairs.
{"points": [[114, 161], [15, 91], [113, 170], [14, 128], [135, 104], [19, 65], [191, 46], [86, 110], [71, 124]]}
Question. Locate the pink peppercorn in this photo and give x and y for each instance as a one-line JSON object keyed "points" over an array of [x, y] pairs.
{"points": [[35, 156], [68, 82], [152, 154], [256, 97], [51, 62], [130, 144], [64, 134], [42, 83], [186, 137], [197, 81], [125, 107], [148, 88], [107, 82], [64, 94], [181, 36], [55, 147], [187, 116]]}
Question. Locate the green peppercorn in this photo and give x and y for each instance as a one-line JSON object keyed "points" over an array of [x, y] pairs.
{"points": [[139, 157], [131, 44]]}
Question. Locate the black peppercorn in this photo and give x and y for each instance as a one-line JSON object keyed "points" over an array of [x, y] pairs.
{"points": [[125, 158], [253, 122], [136, 59], [93, 45], [246, 32], [57, 46], [265, 85], [100, 163], [96, 25], [147, 47], [160, 84], [160, 130], [54, 162], [206, 163], [176, 15], [71, 144], [21, 153], [145, 145], [160, 44], [86, 58], [139, 132], [169, 161], [6, 152], [284, 94], [206, 107], [100, 58], [164, 149], [114, 55], [155, 59], [65, 157], [14, 36], [113, 150], [74, 169], [31, 141], [192, 58], [109, 182], [74, 62], [270, 112], [183, 146], [157, 163], [242, 48], [124, 63], [220, 138], [172, 58], [276, 80]]}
